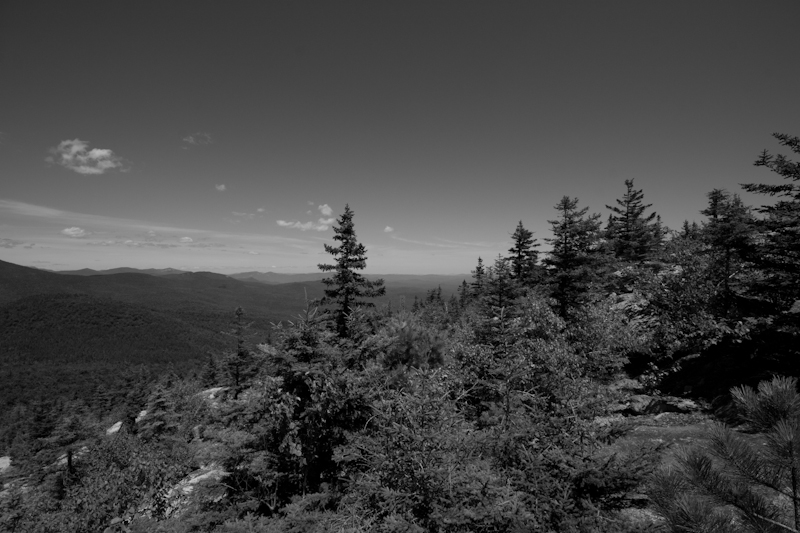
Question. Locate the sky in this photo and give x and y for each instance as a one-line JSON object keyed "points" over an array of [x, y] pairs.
{"points": [[229, 136]]}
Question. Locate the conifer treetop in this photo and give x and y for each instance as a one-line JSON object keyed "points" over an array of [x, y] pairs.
{"points": [[346, 287]]}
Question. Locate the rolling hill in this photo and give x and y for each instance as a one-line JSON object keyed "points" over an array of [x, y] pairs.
{"points": [[67, 344], [63, 333]]}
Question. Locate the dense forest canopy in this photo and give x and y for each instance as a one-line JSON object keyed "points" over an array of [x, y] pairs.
{"points": [[470, 411]]}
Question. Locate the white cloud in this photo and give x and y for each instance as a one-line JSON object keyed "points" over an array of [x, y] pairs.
{"points": [[322, 225], [388, 229], [327, 221], [75, 155], [221, 187], [75, 232], [199, 138], [325, 209], [186, 239], [260, 210]]}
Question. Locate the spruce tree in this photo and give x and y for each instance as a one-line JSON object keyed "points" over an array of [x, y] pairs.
{"points": [[347, 287], [633, 235], [240, 363], [778, 250], [208, 377], [464, 294], [728, 234], [478, 279], [572, 263], [524, 256], [501, 287]]}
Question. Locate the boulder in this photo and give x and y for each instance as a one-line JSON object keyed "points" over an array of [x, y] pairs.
{"points": [[214, 396], [642, 404], [671, 405], [637, 404]]}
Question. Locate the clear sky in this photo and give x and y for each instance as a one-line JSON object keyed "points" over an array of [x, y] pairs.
{"points": [[225, 136]]}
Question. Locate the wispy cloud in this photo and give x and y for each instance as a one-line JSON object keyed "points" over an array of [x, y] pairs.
{"points": [[221, 187], [425, 243], [244, 215], [304, 226], [75, 232], [90, 239], [10, 243], [200, 138], [260, 209], [388, 229], [322, 224], [75, 155]]}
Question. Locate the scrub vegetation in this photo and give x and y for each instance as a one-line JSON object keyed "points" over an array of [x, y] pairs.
{"points": [[471, 411]]}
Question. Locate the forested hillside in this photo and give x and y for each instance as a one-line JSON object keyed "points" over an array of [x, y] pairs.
{"points": [[482, 410]]}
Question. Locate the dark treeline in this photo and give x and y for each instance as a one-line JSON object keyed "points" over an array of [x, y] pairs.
{"points": [[473, 411]]}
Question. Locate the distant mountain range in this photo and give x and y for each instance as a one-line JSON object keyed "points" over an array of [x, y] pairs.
{"points": [[65, 332], [394, 282], [123, 270]]}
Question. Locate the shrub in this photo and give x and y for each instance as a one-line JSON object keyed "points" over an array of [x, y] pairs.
{"points": [[732, 484]]}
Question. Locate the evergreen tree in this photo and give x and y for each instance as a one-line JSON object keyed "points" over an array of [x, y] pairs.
{"points": [[501, 286], [728, 233], [778, 251], [478, 279], [208, 377], [240, 363], [524, 256], [689, 231], [633, 235], [464, 294], [347, 287], [575, 255]]}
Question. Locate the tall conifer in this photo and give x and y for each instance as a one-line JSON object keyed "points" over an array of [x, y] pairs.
{"points": [[524, 255], [633, 234], [778, 252], [572, 262], [346, 288]]}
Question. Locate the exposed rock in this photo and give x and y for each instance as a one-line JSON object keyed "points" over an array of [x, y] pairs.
{"points": [[5, 464], [627, 384], [179, 496], [114, 429], [606, 421], [642, 404], [643, 518], [671, 405], [637, 404], [141, 415], [214, 395], [62, 459]]}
